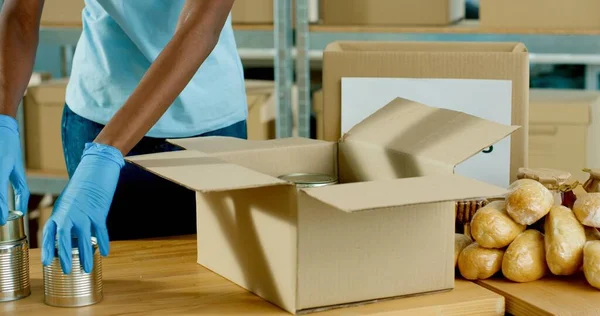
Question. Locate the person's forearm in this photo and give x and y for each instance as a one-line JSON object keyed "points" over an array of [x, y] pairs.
{"points": [[195, 38], [19, 32]]}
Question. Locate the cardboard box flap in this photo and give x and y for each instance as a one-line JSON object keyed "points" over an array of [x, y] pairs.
{"points": [[372, 195], [201, 172], [422, 131], [414, 47], [221, 144]]}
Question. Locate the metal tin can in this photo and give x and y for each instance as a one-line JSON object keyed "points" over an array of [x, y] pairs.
{"points": [[14, 259], [77, 288], [309, 180]]}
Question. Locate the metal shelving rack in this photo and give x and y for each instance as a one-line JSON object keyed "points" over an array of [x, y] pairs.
{"points": [[557, 47], [293, 51]]}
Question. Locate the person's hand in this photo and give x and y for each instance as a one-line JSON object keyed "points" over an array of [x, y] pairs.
{"points": [[11, 168], [82, 208]]}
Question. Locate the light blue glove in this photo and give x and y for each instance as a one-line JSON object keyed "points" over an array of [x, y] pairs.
{"points": [[82, 208], [11, 168]]}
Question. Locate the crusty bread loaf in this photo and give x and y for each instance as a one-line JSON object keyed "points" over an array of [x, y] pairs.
{"points": [[564, 240], [591, 263], [491, 227], [478, 263], [461, 241], [587, 209], [525, 260], [528, 201]]}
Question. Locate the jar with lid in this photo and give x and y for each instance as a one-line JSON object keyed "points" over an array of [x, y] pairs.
{"points": [[592, 185], [557, 181]]}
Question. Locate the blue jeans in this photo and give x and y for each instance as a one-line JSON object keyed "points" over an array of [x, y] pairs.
{"points": [[144, 205]]}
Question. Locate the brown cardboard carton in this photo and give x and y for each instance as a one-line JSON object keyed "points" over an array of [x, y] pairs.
{"points": [[252, 12], [260, 95], [62, 13], [540, 14], [506, 61], [385, 231], [564, 131], [43, 107], [392, 12]]}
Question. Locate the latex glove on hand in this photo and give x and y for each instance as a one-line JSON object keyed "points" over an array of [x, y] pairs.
{"points": [[11, 168], [82, 208]]}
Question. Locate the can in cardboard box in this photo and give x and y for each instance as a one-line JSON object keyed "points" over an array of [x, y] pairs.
{"points": [[309, 180]]}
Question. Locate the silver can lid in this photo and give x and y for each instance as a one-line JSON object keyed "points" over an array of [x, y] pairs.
{"points": [[309, 180], [14, 228]]}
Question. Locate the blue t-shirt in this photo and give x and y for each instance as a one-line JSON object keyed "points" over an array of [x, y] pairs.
{"points": [[119, 42]]}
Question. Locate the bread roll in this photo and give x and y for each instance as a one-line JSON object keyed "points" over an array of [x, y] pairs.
{"points": [[564, 240], [591, 263], [478, 263], [528, 201], [491, 227], [461, 241], [587, 209], [525, 259], [521, 182]]}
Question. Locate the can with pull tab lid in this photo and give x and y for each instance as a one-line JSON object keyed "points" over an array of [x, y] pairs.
{"points": [[309, 180], [14, 259], [78, 288]]}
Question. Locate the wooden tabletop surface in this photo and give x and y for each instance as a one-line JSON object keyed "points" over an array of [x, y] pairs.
{"points": [[162, 277], [548, 296]]}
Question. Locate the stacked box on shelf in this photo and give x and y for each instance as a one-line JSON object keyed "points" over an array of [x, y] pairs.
{"points": [[260, 95], [62, 13], [540, 14], [392, 12], [564, 130], [43, 107], [252, 12]]}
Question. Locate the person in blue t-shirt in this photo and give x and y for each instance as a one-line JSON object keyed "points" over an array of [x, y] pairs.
{"points": [[143, 72]]}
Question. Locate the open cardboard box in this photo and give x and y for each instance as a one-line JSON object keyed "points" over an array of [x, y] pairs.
{"points": [[386, 230]]}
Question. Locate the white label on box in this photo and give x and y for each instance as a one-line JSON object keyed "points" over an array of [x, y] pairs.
{"points": [[488, 99]]}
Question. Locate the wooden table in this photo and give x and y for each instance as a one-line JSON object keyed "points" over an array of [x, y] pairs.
{"points": [[162, 277], [548, 296]]}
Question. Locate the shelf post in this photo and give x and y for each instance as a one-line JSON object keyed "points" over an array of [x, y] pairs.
{"points": [[303, 68], [283, 67]]}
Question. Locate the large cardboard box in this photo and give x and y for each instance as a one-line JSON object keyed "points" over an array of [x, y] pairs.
{"points": [[43, 108], [540, 14], [456, 60], [62, 13], [392, 12], [564, 130], [385, 231]]}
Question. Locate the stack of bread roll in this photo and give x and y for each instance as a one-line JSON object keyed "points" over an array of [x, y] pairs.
{"points": [[504, 240]]}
